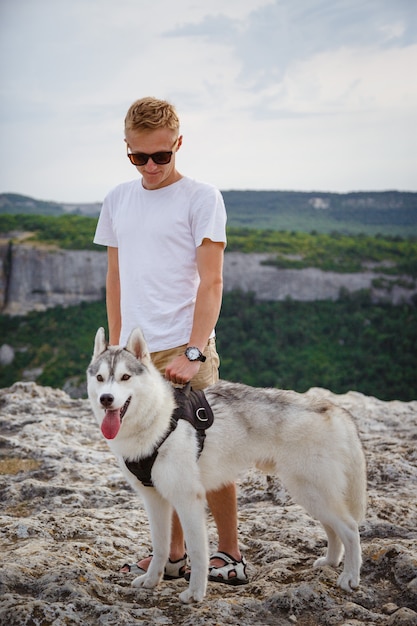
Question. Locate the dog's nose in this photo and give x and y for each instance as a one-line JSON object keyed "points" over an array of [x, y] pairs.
{"points": [[106, 400]]}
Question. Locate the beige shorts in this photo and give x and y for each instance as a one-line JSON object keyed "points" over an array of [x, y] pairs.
{"points": [[208, 373]]}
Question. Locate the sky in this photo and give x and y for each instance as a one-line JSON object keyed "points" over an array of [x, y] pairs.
{"points": [[304, 95]]}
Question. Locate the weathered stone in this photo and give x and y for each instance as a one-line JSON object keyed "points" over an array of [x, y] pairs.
{"points": [[68, 522], [403, 617], [38, 279], [35, 279], [6, 354]]}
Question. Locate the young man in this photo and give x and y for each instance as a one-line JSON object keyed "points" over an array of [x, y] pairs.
{"points": [[165, 235]]}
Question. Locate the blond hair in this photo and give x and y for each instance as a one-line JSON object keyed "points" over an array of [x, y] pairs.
{"points": [[150, 113]]}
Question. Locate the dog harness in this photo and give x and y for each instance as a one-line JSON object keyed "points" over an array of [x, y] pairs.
{"points": [[191, 406]]}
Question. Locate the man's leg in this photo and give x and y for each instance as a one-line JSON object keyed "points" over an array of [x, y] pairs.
{"points": [[177, 549], [223, 505]]}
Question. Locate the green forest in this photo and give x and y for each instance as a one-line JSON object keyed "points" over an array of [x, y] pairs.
{"points": [[348, 345], [293, 249], [351, 344]]}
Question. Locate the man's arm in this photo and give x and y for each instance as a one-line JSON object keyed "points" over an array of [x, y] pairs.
{"points": [[114, 317], [210, 291], [207, 308]]}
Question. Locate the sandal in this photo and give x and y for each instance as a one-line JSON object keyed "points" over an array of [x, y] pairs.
{"points": [[173, 569], [222, 574]]}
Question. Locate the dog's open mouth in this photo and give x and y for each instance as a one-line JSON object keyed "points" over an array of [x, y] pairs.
{"points": [[112, 420]]}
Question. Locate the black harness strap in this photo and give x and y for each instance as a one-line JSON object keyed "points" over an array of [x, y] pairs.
{"points": [[143, 467], [191, 406]]}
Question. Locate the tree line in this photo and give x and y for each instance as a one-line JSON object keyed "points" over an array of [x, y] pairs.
{"points": [[350, 344], [292, 249]]}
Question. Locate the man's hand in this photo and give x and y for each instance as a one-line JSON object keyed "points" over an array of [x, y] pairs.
{"points": [[181, 370]]}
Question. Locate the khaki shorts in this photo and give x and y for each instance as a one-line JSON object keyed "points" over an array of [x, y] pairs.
{"points": [[208, 373]]}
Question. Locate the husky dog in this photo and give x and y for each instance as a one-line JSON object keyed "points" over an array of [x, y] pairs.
{"points": [[312, 445]]}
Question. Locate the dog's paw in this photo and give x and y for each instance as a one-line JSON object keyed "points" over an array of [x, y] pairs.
{"points": [[321, 562], [324, 560], [145, 581], [348, 581], [188, 596]]}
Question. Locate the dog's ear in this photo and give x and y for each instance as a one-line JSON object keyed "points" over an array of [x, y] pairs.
{"points": [[100, 343], [136, 344]]}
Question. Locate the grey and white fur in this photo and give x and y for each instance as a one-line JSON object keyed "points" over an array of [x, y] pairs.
{"points": [[312, 445]]}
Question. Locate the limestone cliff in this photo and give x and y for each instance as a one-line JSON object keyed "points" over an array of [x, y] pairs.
{"points": [[34, 278]]}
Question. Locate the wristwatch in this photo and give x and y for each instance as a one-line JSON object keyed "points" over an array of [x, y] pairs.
{"points": [[194, 354]]}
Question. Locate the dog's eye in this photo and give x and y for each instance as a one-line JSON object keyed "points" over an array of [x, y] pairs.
{"points": [[126, 377], [100, 378]]}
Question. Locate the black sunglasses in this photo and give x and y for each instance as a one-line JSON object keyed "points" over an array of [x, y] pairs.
{"points": [[141, 158]]}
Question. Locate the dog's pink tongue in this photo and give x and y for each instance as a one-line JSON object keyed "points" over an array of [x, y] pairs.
{"points": [[111, 424]]}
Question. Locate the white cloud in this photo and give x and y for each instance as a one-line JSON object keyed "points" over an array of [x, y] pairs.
{"points": [[271, 93], [346, 80]]}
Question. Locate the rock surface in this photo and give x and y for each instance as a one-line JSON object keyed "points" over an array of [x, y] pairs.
{"points": [[69, 521], [247, 272], [34, 279]]}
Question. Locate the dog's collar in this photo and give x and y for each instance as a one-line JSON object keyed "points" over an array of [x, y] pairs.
{"points": [[191, 406]]}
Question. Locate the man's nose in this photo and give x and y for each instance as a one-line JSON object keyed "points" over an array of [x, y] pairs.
{"points": [[151, 165]]}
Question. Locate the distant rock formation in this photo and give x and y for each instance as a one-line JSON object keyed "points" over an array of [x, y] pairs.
{"points": [[35, 278], [248, 273]]}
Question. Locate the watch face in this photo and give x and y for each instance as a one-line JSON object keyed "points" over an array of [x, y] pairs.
{"points": [[192, 354]]}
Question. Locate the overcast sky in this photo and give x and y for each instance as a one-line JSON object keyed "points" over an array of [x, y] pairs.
{"points": [[272, 94]]}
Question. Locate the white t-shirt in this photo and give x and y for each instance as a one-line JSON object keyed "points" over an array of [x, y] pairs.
{"points": [[157, 233]]}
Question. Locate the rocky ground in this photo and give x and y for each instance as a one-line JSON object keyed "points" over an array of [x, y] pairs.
{"points": [[69, 521]]}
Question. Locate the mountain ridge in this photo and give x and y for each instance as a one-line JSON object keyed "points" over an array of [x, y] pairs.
{"points": [[381, 212]]}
